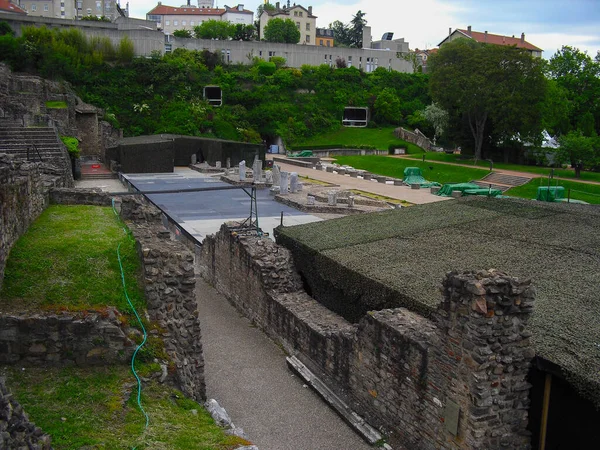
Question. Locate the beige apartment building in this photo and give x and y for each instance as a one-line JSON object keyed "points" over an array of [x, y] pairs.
{"points": [[70, 9], [302, 17]]}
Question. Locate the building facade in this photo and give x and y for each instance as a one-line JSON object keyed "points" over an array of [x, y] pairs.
{"points": [[8, 7], [495, 39], [171, 18], [302, 17], [324, 37], [71, 9]]}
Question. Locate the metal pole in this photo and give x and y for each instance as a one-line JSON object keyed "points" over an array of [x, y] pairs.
{"points": [[545, 408], [281, 223], [569, 195]]}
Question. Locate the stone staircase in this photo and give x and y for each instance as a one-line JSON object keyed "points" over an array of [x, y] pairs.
{"points": [[501, 181], [32, 143]]}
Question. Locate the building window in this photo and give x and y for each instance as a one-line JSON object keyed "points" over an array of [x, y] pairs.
{"points": [[89, 11], [321, 42], [300, 13], [328, 43], [308, 38], [167, 22], [308, 27], [298, 25], [107, 5], [271, 54], [191, 23], [183, 22], [34, 8], [98, 6], [295, 13], [175, 22], [46, 7], [79, 5]]}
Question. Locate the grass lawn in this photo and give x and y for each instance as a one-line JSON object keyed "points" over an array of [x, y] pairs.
{"points": [[67, 259], [380, 138], [97, 408], [579, 191], [394, 167], [56, 105], [562, 173]]}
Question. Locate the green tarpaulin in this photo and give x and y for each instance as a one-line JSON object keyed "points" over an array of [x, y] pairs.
{"points": [[413, 175], [550, 193], [446, 190]]}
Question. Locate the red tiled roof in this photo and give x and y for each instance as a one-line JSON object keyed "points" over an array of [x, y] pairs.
{"points": [[498, 39], [7, 6], [164, 10]]}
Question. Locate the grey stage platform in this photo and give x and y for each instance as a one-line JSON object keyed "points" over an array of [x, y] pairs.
{"points": [[202, 213]]}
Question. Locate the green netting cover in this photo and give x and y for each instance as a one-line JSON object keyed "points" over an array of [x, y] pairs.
{"points": [[483, 191], [302, 154], [446, 190], [550, 193], [413, 175]]}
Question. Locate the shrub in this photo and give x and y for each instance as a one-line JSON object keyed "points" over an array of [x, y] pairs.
{"points": [[72, 144]]}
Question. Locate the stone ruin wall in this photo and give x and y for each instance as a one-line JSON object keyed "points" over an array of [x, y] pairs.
{"points": [[85, 338], [169, 284], [22, 200], [418, 139], [410, 376], [16, 431]]}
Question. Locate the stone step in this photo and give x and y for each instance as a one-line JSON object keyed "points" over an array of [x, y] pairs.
{"points": [[36, 141], [505, 179], [484, 184], [99, 176]]}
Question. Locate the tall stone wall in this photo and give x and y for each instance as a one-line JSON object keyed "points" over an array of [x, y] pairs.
{"points": [[16, 431], [416, 138], [169, 284], [85, 339], [455, 382], [22, 199]]}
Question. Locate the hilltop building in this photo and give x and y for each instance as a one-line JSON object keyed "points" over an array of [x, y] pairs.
{"points": [[495, 39], [304, 19], [76, 9], [324, 37], [6, 6], [171, 18]]}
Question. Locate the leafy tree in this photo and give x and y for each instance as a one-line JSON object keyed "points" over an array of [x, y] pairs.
{"points": [[125, 51], [243, 32], [341, 34], [497, 90], [183, 33], [5, 29], [95, 19], [578, 150], [438, 118], [387, 107], [214, 29], [280, 30], [578, 75], [357, 24], [279, 61]]}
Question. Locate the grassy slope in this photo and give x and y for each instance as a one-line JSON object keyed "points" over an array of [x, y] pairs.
{"points": [[579, 191], [380, 138], [97, 408], [68, 259], [563, 173], [394, 167]]}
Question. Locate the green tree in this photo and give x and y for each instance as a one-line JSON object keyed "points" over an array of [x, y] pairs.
{"points": [[341, 34], [357, 24], [125, 52], [578, 75], [183, 33], [438, 118], [497, 90], [387, 107], [214, 29], [244, 32], [280, 30], [5, 29], [578, 150]]}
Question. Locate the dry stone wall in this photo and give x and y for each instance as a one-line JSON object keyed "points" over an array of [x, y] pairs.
{"points": [[22, 199], [85, 339], [455, 382], [16, 431], [169, 284]]}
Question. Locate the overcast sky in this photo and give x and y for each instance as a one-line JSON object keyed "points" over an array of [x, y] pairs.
{"points": [[548, 24]]}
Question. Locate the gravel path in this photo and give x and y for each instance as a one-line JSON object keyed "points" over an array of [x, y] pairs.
{"points": [[247, 374]]}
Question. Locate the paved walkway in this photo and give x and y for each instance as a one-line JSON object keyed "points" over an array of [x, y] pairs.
{"points": [[247, 374], [416, 196]]}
